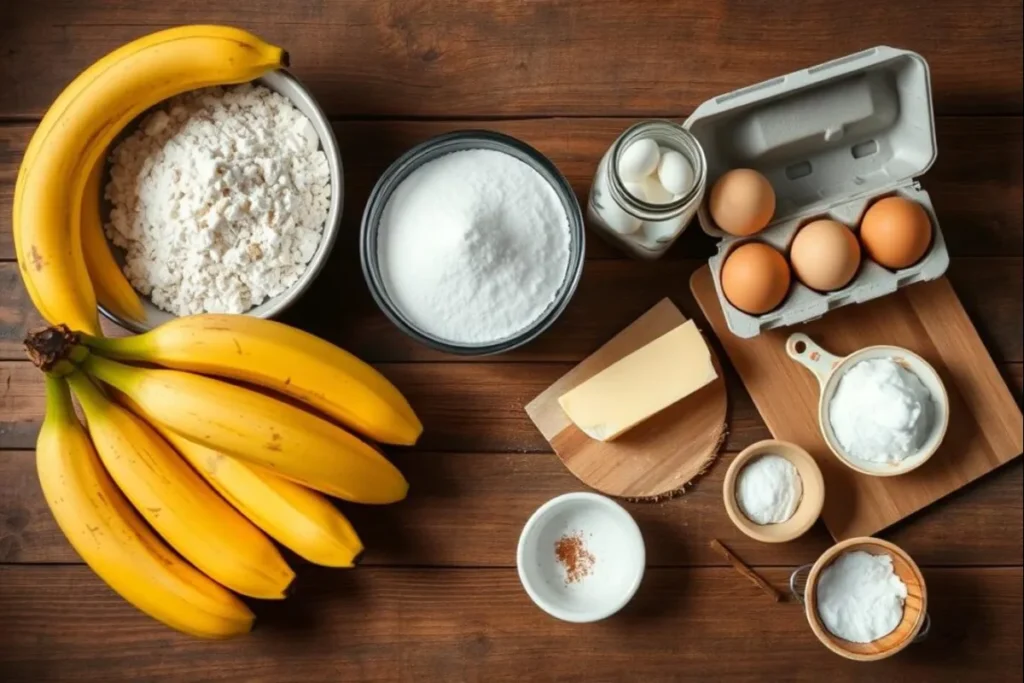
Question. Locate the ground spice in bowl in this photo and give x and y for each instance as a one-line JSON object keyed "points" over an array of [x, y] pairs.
{"points": [[574, 557]]}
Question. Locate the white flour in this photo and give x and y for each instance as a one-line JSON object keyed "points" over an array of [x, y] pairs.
{"points": [[473, 246], [219, 199], [768, 489], [860, 597], [881, 412]]}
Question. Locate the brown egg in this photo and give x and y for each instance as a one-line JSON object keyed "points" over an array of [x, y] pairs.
{"points": [[825, 255], [896, 232], [755, 278], [742, 202]]}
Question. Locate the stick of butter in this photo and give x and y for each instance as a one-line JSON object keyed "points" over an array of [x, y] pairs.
{"points": [[645, 382]]}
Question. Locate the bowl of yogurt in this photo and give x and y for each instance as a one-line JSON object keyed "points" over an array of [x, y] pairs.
{"points": [[865, 599], [472, 243], [773, 491], [883, 410]]}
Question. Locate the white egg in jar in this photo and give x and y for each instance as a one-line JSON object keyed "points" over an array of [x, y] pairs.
{"points": [[674, 172], [639, 160], [630, 205]]}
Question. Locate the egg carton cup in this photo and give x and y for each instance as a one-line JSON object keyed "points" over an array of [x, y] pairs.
{"points": [[832, 140], [870, 282]]}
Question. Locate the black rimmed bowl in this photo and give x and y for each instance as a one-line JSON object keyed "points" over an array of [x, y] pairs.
{"points": [[428, 151]]}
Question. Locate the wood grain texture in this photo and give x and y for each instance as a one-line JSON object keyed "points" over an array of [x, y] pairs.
{"points": [[576, 57], [464, 406], [927, 319], [437, 597], [467, 509], [656, 458], [479, 625], [611, 295], [975, 185]]}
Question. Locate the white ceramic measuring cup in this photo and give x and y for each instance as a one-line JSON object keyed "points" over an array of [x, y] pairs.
{"points": [[830, 369]]}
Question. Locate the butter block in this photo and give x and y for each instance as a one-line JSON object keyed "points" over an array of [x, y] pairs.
{"points": [[645, 382]]}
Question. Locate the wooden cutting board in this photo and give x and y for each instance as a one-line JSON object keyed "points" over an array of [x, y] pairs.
{"points": [[985, 428], [658, 457]]}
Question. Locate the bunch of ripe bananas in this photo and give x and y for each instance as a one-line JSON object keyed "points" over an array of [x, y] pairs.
{"points": [[210, 435]]}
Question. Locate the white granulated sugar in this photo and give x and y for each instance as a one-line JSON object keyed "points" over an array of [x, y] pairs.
{"points": [[768, 489], [473, 246], [219, 200], [860, 597], [881, 412]]}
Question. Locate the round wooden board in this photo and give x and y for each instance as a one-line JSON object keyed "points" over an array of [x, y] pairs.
{"points": [[658, 457]]}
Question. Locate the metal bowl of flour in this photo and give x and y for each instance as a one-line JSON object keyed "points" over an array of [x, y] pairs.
{"points": [[285, 84], [428, 151]]}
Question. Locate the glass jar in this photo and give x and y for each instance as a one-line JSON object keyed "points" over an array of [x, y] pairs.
{"points": [[642, 228]]}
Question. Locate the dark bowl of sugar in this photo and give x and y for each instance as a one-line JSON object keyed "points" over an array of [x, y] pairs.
{"points": [[472, 243]]}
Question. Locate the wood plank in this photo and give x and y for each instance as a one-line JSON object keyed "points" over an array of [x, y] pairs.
{"points": [[476, 625], [928, 320], [976, 184], [657, 458], [495, 58], [611, 295], [467, 509], [465, 407]]}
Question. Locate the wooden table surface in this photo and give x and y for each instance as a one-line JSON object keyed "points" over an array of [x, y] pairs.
{"points": [[437, 597]]}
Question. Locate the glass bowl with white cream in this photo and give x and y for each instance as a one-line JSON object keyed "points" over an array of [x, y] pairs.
{"points": [[472, 243]]}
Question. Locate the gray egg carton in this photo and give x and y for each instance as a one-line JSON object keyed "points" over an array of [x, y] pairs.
{"points": [[832, 140]]}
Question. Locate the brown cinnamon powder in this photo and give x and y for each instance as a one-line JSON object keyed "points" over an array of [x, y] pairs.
{"points": [[574, 557]]}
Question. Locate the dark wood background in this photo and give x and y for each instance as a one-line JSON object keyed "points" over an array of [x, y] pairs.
{"points": [[437, 597]]}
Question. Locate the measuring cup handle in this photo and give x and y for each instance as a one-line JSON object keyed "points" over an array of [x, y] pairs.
{"points": [[925, 628], [800, 348], [798, 582]]}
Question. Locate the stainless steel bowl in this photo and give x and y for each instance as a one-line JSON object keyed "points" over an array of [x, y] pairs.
{"points": [[428, 151], [286, 84]]}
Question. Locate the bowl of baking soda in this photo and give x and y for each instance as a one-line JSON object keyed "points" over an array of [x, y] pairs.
{"points": [[883, 410], [773, 491], [472, 243], [865, 599]]}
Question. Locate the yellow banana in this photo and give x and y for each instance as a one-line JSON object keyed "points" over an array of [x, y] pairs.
{"points": [[298, 518], [177, 503], [281, 358], [102, 101], [112, 539], [257, 428], [113, 291]]}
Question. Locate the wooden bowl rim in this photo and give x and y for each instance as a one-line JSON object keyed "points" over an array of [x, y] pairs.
{"points": [[813, 498], [833, 642]]}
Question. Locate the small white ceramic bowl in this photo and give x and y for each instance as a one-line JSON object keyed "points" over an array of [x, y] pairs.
{"points": [[608, 532]]}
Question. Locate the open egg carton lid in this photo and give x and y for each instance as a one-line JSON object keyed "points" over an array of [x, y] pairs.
{"points": [[830, 139]]}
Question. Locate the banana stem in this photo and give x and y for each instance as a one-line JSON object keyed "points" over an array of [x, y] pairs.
{"points": [[87, 393], [120, 348], [47, 348], [109, 372], [58, 400], [77, 354]]}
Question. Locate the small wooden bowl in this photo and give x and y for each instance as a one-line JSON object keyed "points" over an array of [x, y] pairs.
{"points": [[807, 510], [914, 607]]}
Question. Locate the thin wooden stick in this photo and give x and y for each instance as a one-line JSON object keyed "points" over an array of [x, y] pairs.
{"points": [[746, 571]]}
